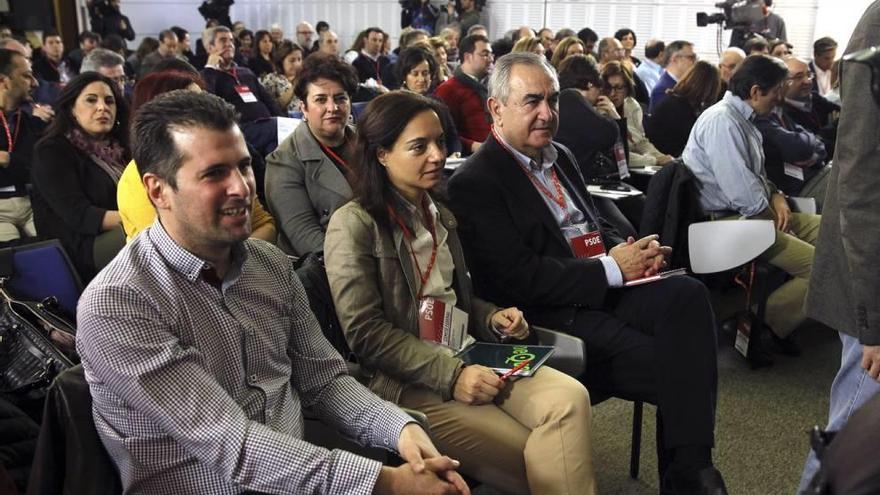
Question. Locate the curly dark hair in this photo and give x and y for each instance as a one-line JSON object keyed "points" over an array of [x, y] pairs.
{"points": [[323, 66], [412, 57]]}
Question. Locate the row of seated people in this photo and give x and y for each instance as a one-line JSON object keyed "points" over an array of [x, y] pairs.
{"points": [[303, 202], [108, 157], [518, 202]]}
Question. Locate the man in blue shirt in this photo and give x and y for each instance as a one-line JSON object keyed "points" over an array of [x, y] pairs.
{"points": [[725, 153], [680, 57], [650, 70]]}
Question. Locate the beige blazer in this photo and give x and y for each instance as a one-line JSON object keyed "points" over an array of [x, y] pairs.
{"points": [[374, 290]]}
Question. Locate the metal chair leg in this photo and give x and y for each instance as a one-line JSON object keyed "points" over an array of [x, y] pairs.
{"points": [[636, 447]]}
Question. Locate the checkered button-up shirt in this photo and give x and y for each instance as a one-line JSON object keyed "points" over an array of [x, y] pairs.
{"points": [[198, 387]]}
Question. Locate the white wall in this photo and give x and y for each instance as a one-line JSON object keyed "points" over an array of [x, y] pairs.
{"points": [[806, 20]]}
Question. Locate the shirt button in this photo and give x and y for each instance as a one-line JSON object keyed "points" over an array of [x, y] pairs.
{"points": [[253, 377]]}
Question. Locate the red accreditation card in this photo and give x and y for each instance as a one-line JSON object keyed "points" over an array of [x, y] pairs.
{"points": [[589, 245]]}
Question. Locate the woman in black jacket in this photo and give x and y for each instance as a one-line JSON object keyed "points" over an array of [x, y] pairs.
{"points": [[590, 126], [670, 125], [76, 167]]}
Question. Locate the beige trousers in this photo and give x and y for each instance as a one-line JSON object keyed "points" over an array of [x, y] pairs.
{"points": [[16, 218], [794, 254], [534, 438]]}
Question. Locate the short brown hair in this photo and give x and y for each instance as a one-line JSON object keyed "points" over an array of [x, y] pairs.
{"points": [[615, 68], [700, 85]]}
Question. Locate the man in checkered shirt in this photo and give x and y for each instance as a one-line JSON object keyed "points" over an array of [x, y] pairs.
{"points": [[200, 349]]}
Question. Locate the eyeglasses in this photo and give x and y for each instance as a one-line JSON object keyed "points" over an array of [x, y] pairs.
{"points": [[692, 57], [618, 89]]}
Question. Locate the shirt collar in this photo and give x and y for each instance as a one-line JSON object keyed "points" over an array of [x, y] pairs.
{"points": [[549, 155], [739, 105], [188, 264], [651, 64], [217, 67], [366, 54]]}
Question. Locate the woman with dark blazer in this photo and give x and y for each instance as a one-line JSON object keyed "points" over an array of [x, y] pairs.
{"points": [[670, 125], [76, 168], [393, 256], [260, 61], [308, 176], [418, 71]]}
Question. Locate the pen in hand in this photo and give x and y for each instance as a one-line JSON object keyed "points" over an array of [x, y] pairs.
{"points": [[516, 368]]}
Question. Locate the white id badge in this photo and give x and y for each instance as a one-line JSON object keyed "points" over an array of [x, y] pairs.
{"points": [[245, 93], [794, 171]]}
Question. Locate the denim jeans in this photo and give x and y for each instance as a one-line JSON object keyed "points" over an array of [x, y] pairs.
{"points": [[852, 388]]}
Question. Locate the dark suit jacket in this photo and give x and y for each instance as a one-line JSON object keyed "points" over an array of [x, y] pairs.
{"points": [[659, 92], [367, 68], [71, 194], [583, 129], [845, 283], [818, 120], [670, 124], [515, 249]]}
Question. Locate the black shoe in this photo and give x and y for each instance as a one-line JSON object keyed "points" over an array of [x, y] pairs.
{"points": [[787, 346], [707, 481]]}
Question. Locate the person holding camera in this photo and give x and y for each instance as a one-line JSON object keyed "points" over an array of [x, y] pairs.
{"points": [[107, 19]]}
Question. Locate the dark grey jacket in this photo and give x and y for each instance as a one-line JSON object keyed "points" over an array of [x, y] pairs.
{"points": [[845, 283]]}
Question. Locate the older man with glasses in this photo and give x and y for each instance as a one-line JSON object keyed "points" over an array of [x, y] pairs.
{"points": [[680, 57], [806, 108]]}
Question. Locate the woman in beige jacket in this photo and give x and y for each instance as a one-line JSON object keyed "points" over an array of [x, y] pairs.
{"points": [[394, 247]]}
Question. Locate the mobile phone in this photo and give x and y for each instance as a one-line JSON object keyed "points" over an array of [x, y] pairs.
{"points": [[614, 187]]}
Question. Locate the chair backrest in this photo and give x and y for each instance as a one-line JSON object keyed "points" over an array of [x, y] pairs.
{"points": [[37, 271], [725, 244], [671, 204]]}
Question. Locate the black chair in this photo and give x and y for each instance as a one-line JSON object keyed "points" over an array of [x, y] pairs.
{"points": [[70, 457]]}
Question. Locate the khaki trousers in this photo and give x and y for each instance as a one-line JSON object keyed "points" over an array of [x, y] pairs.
{"points": [[535, 436], [794, 254], [16, 218]]}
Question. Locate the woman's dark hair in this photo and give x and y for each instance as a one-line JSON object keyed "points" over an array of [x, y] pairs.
{"points": [[244, 33], [64, 121], [324, 66], [379, 127], [615, 68], [411, 57], [760, 70], [620, 33], [700, 85], [321, 26], [579, 72], [282, 50], [258, 37], [157, 83], [148, 45]]}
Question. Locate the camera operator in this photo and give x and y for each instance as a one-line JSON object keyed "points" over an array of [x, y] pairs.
{"points": [[107, 19], [771, 26]]}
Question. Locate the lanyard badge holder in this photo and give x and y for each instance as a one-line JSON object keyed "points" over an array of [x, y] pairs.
{"points": [[439, 323]]}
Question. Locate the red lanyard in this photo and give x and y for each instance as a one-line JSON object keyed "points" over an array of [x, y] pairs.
{"points": [[333, 156], [233, 71], [409, 238], [10, 139], [558, 198]]}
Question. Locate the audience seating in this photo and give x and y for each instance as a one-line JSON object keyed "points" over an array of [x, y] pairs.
{"points": [[40, 270]]}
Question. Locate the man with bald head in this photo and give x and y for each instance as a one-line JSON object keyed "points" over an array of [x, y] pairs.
{"points": [[610, 49], [795, 158], [730, 61], [807, 108], [328, 43]]}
